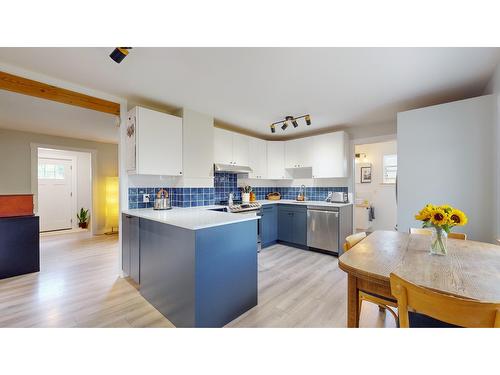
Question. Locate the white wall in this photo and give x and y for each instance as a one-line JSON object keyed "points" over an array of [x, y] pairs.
{"points": [[381, 196], [16, 162], [83, 169], [493, 87], [446, 154]]}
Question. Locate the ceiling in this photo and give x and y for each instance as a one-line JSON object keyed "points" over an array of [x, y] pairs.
{"points": [[26, 113], [253, 87]]}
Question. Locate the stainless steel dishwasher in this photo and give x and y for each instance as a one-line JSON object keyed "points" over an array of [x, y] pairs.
{"points": [[322, 229], [327, 227]]}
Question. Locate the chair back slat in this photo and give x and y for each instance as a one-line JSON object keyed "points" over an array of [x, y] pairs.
{"points": [[449, 309], [353, 239]]}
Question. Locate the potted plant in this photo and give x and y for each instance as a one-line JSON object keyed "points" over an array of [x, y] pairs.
{"points": [[441, 220], [83, 218]]}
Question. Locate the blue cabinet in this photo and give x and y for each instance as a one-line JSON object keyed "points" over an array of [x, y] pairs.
{"points": [[292, 224], [269, 225], [299, 226], [285, 224]]}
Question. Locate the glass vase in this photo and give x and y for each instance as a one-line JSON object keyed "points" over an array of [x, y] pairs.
{"points": [[438, 241]]}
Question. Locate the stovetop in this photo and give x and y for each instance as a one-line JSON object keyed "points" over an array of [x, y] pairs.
{"points": [[226, 203], [245, 207]]}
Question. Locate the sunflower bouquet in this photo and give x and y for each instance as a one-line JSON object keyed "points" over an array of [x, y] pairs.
{"points": [[442, 219]]}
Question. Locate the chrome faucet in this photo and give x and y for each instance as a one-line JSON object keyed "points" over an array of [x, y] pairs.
{"points": [[230, 199]]}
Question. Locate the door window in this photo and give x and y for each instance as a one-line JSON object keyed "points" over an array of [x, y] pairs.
{"points": [[51, 171]]}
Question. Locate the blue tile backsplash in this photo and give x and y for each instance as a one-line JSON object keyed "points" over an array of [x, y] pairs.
{"points": [[224, 183], [179, 197]]}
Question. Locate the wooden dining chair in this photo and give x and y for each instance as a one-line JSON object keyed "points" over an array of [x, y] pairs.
{"points": [[457, 236], [428, 232], [383, 303], [446, 308], [353, 239]]}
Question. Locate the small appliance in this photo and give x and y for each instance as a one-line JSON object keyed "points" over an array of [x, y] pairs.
{"points": [[162, 201], [339, 197]]}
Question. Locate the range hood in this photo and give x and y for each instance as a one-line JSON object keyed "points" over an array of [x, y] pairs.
{"points": [[231, 168]]}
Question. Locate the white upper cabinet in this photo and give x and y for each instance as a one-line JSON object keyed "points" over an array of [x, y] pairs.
{"points": [[330, 155], [241, 149], [154, 143], [276, 160], [298, 153], [231, 148], [258, 158], [223, 146]]}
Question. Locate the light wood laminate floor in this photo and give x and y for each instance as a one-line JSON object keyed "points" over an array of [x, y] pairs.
{"points": [[79, 286]]}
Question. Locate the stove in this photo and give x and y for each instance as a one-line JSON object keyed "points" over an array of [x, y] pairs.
{"points": [[245, 207], [226, 202]]}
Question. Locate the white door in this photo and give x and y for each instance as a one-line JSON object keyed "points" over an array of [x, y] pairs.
{"points": [[55, 201]]}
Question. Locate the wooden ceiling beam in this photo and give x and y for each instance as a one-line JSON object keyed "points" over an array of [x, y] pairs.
{"points": [[29, 87]]}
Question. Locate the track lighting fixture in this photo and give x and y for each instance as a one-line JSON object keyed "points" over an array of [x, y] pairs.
{"points": [[284, 123], [119, 53]]}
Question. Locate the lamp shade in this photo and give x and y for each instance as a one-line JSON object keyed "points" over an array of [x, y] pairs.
{"points": [[111, 202]]}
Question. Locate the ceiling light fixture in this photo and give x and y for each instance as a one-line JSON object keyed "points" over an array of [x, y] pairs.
{"points": [[119, 53], [284, 123]]}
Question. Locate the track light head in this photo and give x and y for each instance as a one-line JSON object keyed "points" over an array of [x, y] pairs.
{"points": [[119, 53], [295, 123], [273, 128], [308, 120], [285, 125]]}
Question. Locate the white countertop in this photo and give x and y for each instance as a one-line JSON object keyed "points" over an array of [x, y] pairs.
{"points": [[306, 203], [192, 218]]}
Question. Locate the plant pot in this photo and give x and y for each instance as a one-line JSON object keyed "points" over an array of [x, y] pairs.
{"points": [[245, 197], [438, 241], [83, 225]]}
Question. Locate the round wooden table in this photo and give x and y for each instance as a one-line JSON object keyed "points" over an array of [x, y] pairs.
{"points": [[470, 269]]}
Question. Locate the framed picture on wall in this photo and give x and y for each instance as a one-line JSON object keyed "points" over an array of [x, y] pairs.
{"points": [[366, 175]]}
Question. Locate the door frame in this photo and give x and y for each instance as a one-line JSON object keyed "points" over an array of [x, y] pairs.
{"points": [[354, 143], [93, 178], [74, 183]]}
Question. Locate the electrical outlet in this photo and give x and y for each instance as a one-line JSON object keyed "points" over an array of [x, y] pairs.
{"points": [[145, 198]]}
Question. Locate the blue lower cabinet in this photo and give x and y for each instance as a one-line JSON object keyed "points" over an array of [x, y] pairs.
{"points": [[285, 225], [292, 224], [299, 228], [199, 278], [269, 225]]}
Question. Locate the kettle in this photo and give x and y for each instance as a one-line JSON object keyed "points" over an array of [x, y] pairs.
{"points": [[162, 201]]}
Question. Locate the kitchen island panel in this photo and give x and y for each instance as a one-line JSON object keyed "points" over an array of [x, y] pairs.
{"points": [[226, 273], [167, 270]]}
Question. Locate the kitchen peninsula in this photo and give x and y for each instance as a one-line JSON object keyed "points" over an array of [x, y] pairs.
{"points": [[198, 267]]}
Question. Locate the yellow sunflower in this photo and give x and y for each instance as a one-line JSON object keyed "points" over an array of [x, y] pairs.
{"points": [[425, 213], [446, 207], [457, 217], [439, 217]]}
